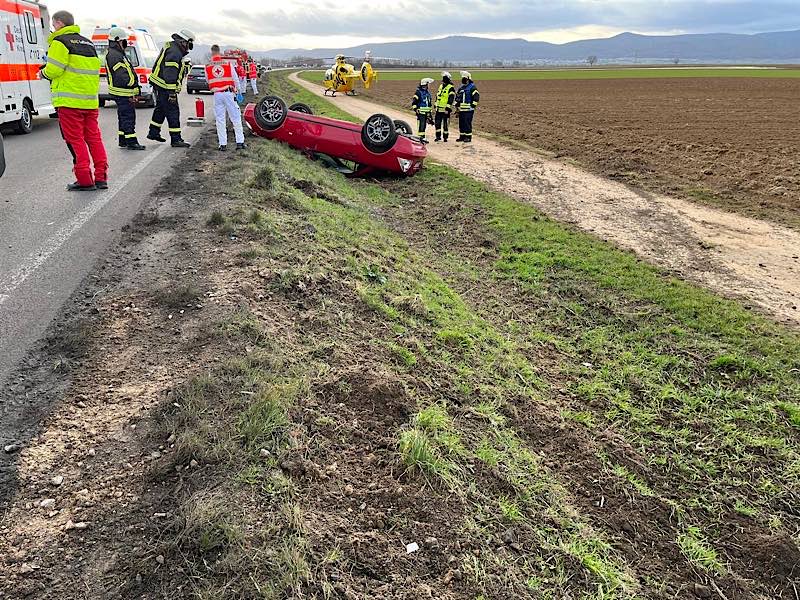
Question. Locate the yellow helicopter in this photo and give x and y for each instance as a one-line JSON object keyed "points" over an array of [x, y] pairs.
{"points": [[342, 76]]}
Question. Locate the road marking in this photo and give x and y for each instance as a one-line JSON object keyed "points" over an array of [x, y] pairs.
{"points": [[36, 259]]}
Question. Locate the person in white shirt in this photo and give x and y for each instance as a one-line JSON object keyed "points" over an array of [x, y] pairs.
{"points": [[222, 80]]}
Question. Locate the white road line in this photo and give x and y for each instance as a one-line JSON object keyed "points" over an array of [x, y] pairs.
{"points": [[36, 259]]}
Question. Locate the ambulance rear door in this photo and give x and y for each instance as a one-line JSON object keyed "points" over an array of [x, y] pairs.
{"points": [[13, 70], [34, 18]]}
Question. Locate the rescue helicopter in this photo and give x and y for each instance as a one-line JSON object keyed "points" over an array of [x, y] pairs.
{"points": [[342, 76]]}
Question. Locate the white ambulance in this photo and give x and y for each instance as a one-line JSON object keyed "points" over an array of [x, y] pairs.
{"points": [[142, 53], [24, 29]]}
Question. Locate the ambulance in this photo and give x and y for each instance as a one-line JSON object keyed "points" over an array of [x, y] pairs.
{"points": [[24, 29], [142, 53]]}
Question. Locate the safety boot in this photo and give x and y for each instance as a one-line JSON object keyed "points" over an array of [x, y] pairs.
{"points": [[133, 144], [241, 146], [77, 187], [101, 185], [222, 148], [180, 144], [155, 136]]}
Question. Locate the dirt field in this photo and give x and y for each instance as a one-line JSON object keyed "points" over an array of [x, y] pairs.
{"points": [[725, 142]]}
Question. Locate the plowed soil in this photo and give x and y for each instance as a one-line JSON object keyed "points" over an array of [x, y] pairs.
{"points": [[731, 143]]}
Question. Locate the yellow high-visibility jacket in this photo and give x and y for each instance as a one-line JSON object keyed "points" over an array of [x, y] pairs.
{"points": [[73, 69]]}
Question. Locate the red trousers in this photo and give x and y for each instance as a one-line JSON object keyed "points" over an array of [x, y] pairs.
{"points": [[81, 131]]}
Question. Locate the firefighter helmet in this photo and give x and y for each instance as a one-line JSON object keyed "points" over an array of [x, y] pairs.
{"points": [[184, 35], [426, 81], [446, 74], [117, 34], [466, 75]]}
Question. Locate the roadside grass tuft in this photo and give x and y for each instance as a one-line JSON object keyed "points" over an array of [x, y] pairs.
{"points": [[178, 296], [263, 179], [699, 551]]}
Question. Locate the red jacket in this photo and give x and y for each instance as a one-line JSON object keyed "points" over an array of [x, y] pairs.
{"points": [[240, 70], [253, 71]]}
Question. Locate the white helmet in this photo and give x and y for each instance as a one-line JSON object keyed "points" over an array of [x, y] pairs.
{"points": [[425, 81], [184, 34], [466, 74], [117, 34], [446, 74]]}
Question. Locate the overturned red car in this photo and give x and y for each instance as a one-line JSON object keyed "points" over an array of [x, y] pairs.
{"points": [[380, 145]]}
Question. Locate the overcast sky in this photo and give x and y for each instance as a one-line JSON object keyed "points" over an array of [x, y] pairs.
{"points": [[270, 24]]}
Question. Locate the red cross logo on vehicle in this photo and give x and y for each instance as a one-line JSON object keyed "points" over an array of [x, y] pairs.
{"points": [[10, 38]]}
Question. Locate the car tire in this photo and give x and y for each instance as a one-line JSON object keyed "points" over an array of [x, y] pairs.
{"points": [[25, 122], [403, 127], [378, 133], [301, 108], [271, 112]]}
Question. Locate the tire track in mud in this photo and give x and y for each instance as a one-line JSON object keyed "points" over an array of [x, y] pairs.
{"points": [[754, 261]]}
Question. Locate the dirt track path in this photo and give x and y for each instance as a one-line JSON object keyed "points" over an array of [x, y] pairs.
{"points": [[755, 261]]}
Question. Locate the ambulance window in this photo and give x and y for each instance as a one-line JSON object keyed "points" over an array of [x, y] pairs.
{"points": [[130, 53], [30, 28]]}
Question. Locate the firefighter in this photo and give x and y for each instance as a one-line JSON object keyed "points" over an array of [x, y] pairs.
{"points": [[467, 99], [73, 70], [222, 80], [444, 106], [422, 105], [123, 87], [252, 71], [166, 78]]}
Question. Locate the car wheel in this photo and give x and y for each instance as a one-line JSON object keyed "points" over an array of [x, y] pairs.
{"points": [[379, 134], [25, 123], [403, 127], [301, 108], [270, 112]]}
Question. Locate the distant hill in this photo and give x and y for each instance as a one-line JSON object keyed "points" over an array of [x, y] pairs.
{"points": [[783, 46]]}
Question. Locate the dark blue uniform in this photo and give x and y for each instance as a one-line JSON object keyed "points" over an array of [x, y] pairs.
{"points": [[422, 104], [467, 99], [166, 79], [123, 87]]}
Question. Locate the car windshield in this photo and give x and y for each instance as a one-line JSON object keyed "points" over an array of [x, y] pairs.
{"points": [[198, 70]]}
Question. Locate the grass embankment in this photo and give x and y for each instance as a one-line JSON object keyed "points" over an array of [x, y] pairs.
{"points": [[429, 361], [567, 74]]}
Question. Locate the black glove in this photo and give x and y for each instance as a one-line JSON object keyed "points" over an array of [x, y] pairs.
{"points": [[173, 98]]}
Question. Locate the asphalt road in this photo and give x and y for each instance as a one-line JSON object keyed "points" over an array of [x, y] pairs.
{"points": [[50, 238]]}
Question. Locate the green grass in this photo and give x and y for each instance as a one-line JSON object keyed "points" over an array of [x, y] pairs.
{"points": [[580, 73]]}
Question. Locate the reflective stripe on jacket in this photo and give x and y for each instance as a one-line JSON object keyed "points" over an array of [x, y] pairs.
{"points": [[467, 97], [169, 68], [445, 97], [219, 74], [73, 69], [422, 101], [121, 77]]}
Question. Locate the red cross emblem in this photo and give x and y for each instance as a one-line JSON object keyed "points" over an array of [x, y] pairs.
{"points": [[217, 71], [9, 38]]}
